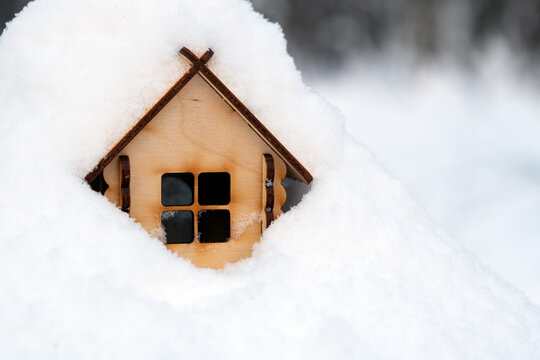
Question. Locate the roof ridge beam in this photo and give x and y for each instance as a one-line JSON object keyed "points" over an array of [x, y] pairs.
{"points": [[250, 118], [150, 114]]}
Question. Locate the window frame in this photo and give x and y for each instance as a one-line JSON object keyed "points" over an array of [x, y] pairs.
{"points": [[195, 207]]}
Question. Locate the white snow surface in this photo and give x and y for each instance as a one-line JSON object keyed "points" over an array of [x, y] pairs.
{"points": [[357, 269], [464, 141]]}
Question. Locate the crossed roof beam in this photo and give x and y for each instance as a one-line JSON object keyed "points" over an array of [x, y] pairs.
{"points": [[294, 167]]}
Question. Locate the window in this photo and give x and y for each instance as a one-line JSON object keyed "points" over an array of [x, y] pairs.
{"points": [[214, 188], [177, 189], [178, 225], [207, 195], [214, 226]]}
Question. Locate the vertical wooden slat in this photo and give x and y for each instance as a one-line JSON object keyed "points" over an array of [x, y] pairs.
{"points": [[125, 196], [268, 178]]}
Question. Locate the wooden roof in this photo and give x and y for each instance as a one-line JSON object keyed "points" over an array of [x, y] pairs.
{"points": [[296, 169]]}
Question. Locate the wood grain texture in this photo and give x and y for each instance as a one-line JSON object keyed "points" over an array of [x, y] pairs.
{"points": [[198, 132], [298, 171], [125, 196], [147, 117]]}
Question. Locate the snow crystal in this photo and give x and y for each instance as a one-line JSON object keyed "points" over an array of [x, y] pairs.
{"points": [[356, 269], [241, 223]]}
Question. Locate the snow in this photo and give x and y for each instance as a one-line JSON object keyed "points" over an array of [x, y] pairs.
{"points": [[356, 269], [463, 141]]}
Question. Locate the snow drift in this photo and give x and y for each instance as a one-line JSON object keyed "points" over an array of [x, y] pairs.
{"points": [[355, 270], [480, 179]]}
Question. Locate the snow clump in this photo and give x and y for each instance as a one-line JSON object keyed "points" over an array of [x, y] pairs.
{"points": [[356, 270]]}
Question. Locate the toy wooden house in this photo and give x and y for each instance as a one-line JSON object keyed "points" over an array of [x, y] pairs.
{"points": [[199, 170]]}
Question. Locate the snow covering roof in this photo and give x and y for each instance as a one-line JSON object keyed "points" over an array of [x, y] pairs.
{"points": [[294, 168], [355, 270]]}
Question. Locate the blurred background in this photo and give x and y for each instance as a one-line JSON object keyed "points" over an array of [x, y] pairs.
{"points": [[445, 93]]}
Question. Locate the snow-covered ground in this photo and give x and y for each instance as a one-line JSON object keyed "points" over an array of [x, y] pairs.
{"points": [[356, 270], [465, 143]]}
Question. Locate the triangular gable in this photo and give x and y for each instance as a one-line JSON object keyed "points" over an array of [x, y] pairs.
{"points": [[296, 170]]}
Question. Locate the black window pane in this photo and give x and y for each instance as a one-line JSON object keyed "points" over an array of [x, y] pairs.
{"points": [[214, 226], [214, 188], [177, 189], [178, 226]]}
